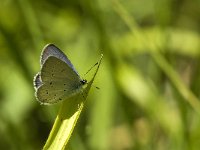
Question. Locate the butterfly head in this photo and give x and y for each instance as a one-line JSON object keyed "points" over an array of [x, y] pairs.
{"points": [[83, 82]]}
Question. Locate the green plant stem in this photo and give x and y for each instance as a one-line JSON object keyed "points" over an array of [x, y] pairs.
{"points": [[67, 118]]}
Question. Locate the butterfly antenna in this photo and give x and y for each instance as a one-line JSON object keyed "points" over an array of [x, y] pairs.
{"points": [[94, 86], [91, 68]]}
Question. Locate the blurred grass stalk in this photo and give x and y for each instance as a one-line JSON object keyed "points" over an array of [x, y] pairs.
{"points": [[67, 118], [142, 91], [157, 57], [32, 22]]}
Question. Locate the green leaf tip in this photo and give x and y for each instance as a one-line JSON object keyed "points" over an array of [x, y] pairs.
{"points": [[67, 117]]}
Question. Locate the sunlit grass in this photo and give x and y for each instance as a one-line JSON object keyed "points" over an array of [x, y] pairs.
{"points": [[149, 79]]}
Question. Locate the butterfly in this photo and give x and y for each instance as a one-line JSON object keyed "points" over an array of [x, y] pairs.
{"points": [[58, 79]]}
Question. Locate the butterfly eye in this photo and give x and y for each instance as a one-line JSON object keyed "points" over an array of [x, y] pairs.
{"points": [[83, 81]]}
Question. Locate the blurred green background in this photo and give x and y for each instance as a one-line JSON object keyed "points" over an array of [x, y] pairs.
{"points": [[149, 79]]}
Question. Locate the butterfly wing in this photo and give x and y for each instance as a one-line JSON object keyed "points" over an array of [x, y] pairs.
{"points": [[52, 50], [57, 81], [37, 81]]}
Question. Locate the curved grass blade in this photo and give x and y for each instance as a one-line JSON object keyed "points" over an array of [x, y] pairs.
{"points": [[67, 118]]}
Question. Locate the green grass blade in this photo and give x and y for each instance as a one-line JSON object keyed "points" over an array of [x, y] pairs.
{"points": [[67, 118], [155, 52]]}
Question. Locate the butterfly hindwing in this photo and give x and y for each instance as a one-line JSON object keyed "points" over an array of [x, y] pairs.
{"points": [[37, 80], [49, 93]]}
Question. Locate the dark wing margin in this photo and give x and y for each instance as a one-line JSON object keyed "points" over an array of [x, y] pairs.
{"points": [[52, 50], [37, 81]]}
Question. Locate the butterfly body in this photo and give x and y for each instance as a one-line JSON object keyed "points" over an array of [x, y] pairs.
{"points": [[58, 80]]}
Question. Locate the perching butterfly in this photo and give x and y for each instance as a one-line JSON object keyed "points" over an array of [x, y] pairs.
{"points": [[58, 79]]}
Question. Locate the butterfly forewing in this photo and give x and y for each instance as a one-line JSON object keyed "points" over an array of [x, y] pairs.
{"points": [[52, 50], [59, 81], [56, 69]]}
